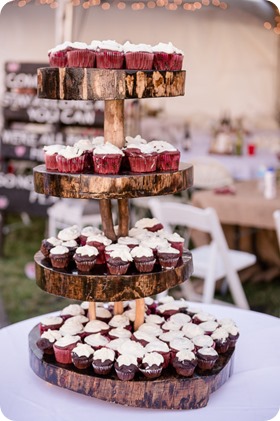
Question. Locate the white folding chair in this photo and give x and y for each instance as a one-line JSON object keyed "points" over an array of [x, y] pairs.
{"points": [[276, 216], [213, 261], [67, 212]]}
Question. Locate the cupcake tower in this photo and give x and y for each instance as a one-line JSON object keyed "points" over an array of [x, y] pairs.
{"points": [[141, 73]]}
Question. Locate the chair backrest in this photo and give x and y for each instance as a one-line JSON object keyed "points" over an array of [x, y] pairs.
{"points": [[276, 215], [174, 213]]}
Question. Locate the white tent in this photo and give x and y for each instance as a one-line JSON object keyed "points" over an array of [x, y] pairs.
{"points": [[230, 58]]}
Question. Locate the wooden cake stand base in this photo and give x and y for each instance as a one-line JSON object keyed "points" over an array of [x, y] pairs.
{"points": [[169, 391]]}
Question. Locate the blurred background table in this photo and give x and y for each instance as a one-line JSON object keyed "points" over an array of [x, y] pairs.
{"points": [[251, 393], [247, 219]]}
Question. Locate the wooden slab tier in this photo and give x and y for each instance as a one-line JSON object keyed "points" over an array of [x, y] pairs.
{"points": [[169, 391], [94, 186], [72, 83], [98, 285]]}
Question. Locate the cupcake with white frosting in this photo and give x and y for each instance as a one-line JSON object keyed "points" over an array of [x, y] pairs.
{"points": [[149, 224], [160, 347], [138, 56], [126, 367], [168, 157], [221, 339], [63, 348], [87, 147], [99, 241], [152, 365], [50, 155], [47, 244], [109, 55], [168, 257], [60, 257], [185, 362], [144, 259], [107, 159], [96, 326], [96, 340], [81, 55], [85, 258], [58, 54], [46, 341], [167, 57], [176, 241], [87, 232], [142, 158], [69, 233], [103, 361], [119, 261], [70, 160], [206, 358], [82, 356], [71, 310]]}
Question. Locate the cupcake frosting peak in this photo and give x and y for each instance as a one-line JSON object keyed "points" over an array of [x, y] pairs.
{"points": [[129, 47], [140, 251], [107, 148], [110, 45], [87, 251], [168, 48]]}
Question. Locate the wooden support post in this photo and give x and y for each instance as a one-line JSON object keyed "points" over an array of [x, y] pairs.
{"points": [[114, 122], [123, 219], [92, 311], [139, 312], [107, 219]]}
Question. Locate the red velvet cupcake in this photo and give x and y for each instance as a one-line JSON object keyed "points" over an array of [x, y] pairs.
{"points": [[138, 56], [58, 55], [144, 259], [87, 232], [50, 323], [82, 356], [71, 310], [107, 159], [119, 261], [168, 257], [126, 367], [152, 365], [176, 241], [160, 347], [221, 338], [60, 257], [99, 241], [81, 55], [167, 57], [142, 158], [150, 224], [85, 258], [87, 147], [109, 55], [46, 341], [47, 244], [103, 361], [206, 358], [63, 347], [185, 362], [69, 233], [70, 160], [50, 156]]}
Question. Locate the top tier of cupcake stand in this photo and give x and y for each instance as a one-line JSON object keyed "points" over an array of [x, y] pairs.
{"points": [[114, 86]]}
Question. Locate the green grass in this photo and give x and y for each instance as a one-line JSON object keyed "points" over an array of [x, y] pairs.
{"points": [[23, 299]]}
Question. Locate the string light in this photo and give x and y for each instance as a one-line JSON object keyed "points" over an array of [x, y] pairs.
{"points": [[121, 5], [105, 6]]}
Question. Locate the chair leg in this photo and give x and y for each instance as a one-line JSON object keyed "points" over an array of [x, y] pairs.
{"points": [[237, 291]]}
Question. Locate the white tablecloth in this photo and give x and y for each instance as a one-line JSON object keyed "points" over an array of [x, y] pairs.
{"points": [[251, 394]]}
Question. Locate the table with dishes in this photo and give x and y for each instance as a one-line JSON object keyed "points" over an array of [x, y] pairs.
{"points": [[251, 393]]}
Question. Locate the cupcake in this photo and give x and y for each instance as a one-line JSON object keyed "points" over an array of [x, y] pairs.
{"points": [[50, 156], [233, 334], [115, 344], [180, 319], [87, 147], [149, 224], [87, 232], [120, 321], [202, 341], [132, 348], [185, 362], [103, 314], [71, 310], [221, 338], [144, 259], [206, 358], [63, 347], [109, 55], [168, 157], [74, 329], [72, 246], [60, 257], [176, 241], [179, 344], [103, 361], [130, 242], [154, 318], [154, 242], [202, 316], [167, 57], [168, 309], [99, 241], [161, 348], [79, 318], [119, 261], [171, 335], [168, 257], [126, 367], [152, 365], [47, 244], [50, 323], [85, 258], [141, 158], [107, 159], [96, 340], [114, 247], [58, 55], [142, 337], [151, 329], [81, 55], [70, 160], [209, 327], [82, 356], [96, 326], [192, 330], [119, 332], [138, 56], [46, 341], [69, 233]]}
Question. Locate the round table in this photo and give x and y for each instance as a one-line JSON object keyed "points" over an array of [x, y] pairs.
{"points": [[251, 393]]}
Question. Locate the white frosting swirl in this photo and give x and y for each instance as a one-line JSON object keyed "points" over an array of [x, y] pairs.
{"points": [[191, 330], [96, 340], [53, 149], [136, 140], [168, 48], [151, 329], [203, 341], [60, 47], [59, 250], [51, 320], [220, 334], [73, 328], [181, 343], [104, 354], [140, 251], [128, 240], [110, 45], [119, 320], [120, 332], [147, 223], [83, 350], [172, 334], [126, 360], [99, 238], [70, 152], [107, 149], [130, 347], [67, 340], [153, 358], [69, 233], [51, 335], [87, 251], [84, 144], [158, 346], [72, 309], [180, 318], [185, 355], [95, 326], [90, 230], [129, 47], [208, 351]]}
